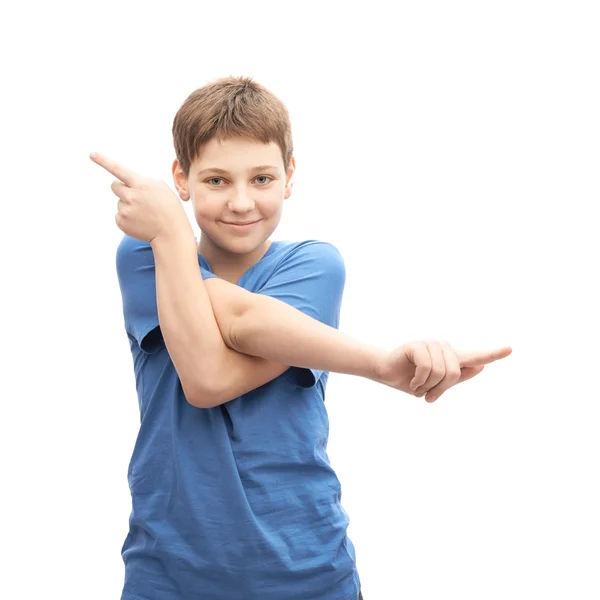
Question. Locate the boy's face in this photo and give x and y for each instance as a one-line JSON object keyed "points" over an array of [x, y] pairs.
{"points": [[237, 187]]}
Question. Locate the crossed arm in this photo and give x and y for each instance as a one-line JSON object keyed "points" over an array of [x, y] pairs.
{"points": [[225, 341]]}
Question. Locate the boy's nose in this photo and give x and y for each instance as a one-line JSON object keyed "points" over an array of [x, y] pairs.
{"points": [[241, 201]]}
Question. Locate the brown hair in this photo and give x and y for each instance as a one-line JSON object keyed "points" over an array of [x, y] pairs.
{"points": [[227, 107]]}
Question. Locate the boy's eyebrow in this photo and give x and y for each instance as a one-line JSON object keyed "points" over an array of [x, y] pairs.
{"points": [[224, 172], [263, 167]]}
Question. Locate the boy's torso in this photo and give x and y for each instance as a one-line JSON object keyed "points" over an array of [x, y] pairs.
{"points": [[237, 501]]}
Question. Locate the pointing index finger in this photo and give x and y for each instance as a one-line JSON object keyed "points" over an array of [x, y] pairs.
{"points": [[478, 358], [127, 176]]}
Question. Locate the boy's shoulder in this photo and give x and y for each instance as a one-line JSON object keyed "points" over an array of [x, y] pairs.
{"points": [[311, 247], [306, 262], [283, 255], [308, 249]]}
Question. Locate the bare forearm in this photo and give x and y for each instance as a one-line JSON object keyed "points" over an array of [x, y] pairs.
{"points": [[187, 321], [274, 330], [203, 331]]}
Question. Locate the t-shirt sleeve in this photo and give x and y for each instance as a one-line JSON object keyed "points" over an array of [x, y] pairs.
{"points": [[311, 278], [137, 281]]}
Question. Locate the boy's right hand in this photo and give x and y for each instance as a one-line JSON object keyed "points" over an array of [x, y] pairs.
{"points": [[432, 367]]}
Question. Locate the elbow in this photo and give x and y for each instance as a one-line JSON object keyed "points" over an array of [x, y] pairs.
{"points": [[206, 395]]}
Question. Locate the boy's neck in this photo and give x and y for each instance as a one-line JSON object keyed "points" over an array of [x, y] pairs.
{"points": [[226, 265]]}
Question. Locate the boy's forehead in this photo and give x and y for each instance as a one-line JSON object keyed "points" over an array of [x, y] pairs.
{"points": [[238, 154]]}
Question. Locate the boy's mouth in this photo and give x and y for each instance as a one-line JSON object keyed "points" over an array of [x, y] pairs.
{"points": [[241, 225]]}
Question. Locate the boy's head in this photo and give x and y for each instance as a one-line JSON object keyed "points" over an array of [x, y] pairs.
{"points": [[233, 144]]}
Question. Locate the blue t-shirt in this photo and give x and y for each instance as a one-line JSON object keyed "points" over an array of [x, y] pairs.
{"points": [[239, 501]]}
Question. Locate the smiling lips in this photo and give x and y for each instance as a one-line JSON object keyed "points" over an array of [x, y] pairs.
{"points": [[242, 225]]}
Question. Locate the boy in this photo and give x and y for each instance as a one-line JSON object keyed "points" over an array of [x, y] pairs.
{"points": [[232, 341]]}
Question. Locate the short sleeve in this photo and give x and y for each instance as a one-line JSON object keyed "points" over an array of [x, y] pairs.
{"points": [[310, 278], [137, 279]]}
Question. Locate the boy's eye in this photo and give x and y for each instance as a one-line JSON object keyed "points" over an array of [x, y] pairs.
{"points": [[219, 181]]}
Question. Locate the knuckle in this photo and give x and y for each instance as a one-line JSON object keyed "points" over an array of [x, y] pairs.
{"points": [[454, 374]]}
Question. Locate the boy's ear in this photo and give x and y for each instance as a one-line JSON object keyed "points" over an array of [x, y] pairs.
{"points": [[289, 178], [180, 181]]}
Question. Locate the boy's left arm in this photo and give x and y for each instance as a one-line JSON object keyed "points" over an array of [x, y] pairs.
{"points": [[296, 321], [293, 321]]}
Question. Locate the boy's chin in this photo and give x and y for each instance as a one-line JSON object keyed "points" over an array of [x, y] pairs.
{"points": [[238, 245]]}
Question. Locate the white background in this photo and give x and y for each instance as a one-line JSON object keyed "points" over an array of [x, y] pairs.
{"points": [[449, 149]]}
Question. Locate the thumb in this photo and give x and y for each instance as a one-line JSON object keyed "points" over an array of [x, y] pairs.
{"points": [[479, 358], [469, 372]]}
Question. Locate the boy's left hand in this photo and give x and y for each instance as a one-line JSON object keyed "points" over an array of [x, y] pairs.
{"points": [[147, 208], [431, 367]]}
